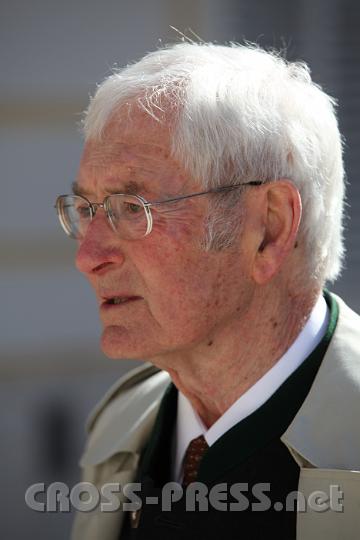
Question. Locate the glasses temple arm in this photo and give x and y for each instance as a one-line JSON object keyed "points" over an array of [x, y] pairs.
{"points": [[215, 190]]}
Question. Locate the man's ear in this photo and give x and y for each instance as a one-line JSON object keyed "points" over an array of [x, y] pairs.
{"points": [[281, 215]]}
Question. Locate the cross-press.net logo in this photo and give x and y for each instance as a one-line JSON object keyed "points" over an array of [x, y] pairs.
{"points": [[238, 497]]}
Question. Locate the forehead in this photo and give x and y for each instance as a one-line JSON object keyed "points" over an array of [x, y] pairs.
{"points": [[133, 152]]}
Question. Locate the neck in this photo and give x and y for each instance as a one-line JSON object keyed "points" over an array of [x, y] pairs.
{"points": [[214, 374]]}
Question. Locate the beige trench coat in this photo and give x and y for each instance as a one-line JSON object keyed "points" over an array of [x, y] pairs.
{"points": [[324, 439]]}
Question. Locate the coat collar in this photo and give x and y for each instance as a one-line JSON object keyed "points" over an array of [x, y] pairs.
{"points": [[123, 420], [325, 431]]}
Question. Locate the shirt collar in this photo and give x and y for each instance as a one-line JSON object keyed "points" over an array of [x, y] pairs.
{"points": [[189, 425]]}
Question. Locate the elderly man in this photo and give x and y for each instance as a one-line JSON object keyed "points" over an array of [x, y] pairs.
{"points": [[208, 213]]}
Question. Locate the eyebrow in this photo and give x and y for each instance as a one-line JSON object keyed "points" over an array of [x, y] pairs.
{"points": [[130, 187], [75, 188]]}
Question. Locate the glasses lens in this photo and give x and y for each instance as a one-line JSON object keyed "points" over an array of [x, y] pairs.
{"points": [[74, 214], [128, 216]]}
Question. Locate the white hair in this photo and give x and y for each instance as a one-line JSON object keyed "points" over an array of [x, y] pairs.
{"points": [[240, 113]]}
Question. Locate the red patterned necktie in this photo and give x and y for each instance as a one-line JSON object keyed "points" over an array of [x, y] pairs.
{"points": [[193, 456]]}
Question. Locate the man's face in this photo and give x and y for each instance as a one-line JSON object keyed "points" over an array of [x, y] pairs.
{"points": [[174, 295]]}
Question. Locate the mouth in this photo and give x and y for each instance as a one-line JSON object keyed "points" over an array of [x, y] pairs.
{"points": [[119, 300]]}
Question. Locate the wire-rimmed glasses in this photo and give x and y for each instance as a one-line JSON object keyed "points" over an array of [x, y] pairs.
{"points": [[129, 215]]}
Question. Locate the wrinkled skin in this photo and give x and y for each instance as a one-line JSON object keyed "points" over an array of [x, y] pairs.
{"points": [[185, 293]]}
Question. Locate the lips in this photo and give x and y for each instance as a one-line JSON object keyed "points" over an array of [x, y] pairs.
{"points": [[118, 300]]}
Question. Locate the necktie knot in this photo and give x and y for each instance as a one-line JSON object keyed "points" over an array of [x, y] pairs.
{"points": [[193, 456]]}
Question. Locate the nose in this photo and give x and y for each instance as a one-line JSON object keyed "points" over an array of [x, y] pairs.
{"points": [[100, 248]]}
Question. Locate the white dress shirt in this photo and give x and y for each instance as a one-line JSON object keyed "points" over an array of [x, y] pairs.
{"points": [[188, 423]]}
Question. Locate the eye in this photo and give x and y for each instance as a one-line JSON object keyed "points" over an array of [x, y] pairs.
{"points": [[83, 211], [132, 208], [124, 207]]}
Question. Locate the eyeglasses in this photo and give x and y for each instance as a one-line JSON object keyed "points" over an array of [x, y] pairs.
{"points": [[129, 215]]}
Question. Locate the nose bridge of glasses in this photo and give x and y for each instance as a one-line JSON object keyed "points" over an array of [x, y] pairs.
{"points": [[95, 206]]}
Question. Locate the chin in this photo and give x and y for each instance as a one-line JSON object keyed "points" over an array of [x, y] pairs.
{"points": [[117, 344]]}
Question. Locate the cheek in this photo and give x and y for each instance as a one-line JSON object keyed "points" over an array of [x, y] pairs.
{"points": [[186, 290], [185, 285]]}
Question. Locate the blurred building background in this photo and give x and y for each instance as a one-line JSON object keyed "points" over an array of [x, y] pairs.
{"points": [[52, 54]]}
